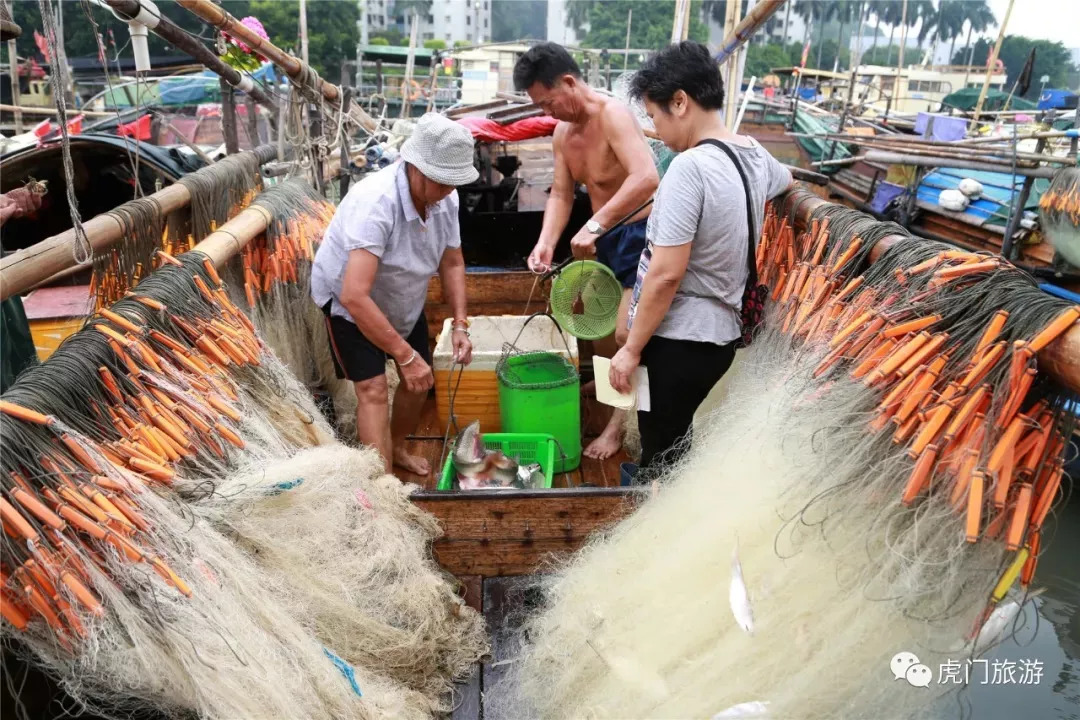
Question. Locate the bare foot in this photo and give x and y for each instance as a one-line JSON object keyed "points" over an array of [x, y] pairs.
{"points": [[607, 444], [413, 463]]}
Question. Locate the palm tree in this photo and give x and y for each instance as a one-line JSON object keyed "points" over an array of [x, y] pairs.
{"points": [[806, 10], [951, 16], [826, 11], [878, 8], [927, 15], [894, 14], [844, 11], [980, 18]]}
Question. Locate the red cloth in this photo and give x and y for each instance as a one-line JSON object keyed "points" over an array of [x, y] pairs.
{"points": [[486, 130], [138, 129], [74, 125]]}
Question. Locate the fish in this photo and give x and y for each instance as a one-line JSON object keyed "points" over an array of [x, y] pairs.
{"points": [[1002, 617], [479, 468], [752, 709], [738, 597]]}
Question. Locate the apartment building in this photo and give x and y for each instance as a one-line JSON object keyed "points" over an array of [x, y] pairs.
{"points": [[447, 20]]}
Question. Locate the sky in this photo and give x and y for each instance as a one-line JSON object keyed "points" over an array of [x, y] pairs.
{"points": [[1041, 19]]}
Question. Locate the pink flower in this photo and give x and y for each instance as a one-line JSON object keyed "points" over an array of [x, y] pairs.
{"points": [[252, 23]]}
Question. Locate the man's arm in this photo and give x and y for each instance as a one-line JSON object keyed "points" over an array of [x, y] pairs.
{"points": [[666, 270], [628, 142], [452, 274], [560, 201], [356, 297]]}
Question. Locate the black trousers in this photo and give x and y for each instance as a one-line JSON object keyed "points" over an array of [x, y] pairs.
{"points": [[681, 374]]}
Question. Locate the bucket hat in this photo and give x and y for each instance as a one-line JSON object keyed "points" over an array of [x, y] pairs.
{"points": [[442, 150]]}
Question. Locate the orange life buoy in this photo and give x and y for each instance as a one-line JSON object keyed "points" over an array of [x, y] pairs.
{"points": [[415, 93]]}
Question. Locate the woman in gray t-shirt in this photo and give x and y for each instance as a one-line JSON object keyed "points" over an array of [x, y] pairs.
{"points": [[684, 311]]}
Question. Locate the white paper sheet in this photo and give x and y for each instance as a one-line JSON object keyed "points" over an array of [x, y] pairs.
{"points": [[638, 397]]}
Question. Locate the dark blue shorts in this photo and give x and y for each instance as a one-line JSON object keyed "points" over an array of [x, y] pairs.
{"points": [[622, 249]]}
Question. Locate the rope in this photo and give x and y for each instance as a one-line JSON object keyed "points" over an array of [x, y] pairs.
{"points": [[82, 252]]}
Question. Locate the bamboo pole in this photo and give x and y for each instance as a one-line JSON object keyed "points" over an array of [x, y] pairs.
{"points": [[895, 158], [172, 33], [754, 19], [293, 67], [28, 267], [991, 61], [233, 236], [1059, 359]]}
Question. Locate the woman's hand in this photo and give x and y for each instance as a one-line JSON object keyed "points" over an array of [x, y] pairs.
{"points": [[462, 346], [623, 366]]}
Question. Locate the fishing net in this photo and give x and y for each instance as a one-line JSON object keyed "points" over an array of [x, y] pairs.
{"points": [[217, 192], [1059, 213], [186, 536], [519, 369], [841, 503], [585, 297]]}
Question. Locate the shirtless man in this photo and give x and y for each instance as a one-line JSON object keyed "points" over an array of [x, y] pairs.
{"points": [[599, 143]]}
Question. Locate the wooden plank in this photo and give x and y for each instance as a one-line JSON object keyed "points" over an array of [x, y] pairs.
{"points": [[507, 532], [483, 287], [507, 601]]}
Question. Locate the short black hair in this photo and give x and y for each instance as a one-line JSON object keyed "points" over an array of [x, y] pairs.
{"points": [[544, 63], [685, 66]]}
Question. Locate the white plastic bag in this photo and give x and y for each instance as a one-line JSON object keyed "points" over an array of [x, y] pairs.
{"points": [[953, 200]]}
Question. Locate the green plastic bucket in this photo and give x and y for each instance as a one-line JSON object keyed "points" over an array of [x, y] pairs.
{"points": [[525, 448], [539, 392]]}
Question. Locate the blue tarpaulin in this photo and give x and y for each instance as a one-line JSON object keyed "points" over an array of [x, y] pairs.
{"points": [[999, 191], [204, 87], [1057, 99]]}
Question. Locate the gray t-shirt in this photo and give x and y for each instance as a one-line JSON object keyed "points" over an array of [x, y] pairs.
{"points": [[701, 201]]}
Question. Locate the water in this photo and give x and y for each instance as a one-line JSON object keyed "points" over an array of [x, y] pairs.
{"points": [[1049, 635]]}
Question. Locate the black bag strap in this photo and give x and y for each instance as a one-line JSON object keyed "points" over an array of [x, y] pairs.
{"points": [[751, 263]]}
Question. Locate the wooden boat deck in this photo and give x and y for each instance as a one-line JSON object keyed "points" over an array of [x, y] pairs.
{"points": [[427, 442]]}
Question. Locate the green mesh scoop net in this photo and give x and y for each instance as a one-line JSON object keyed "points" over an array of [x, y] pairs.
{"points": [[585, 299]]}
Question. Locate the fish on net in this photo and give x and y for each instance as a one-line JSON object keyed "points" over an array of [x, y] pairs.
{"points": [[880, 471]]}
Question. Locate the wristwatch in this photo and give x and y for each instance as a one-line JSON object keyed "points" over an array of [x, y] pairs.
{"points": [[594, 227]]}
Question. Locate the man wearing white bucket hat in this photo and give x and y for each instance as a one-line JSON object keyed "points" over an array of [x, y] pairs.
{"points": [[392, 231]]}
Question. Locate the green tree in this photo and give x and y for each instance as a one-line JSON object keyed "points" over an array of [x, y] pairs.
{"points": [[379, 41], [650, 28], [1051, 58], [79, 39], [518, 19], [332, 33], [979, 18], [435, 44], [760, 59]]}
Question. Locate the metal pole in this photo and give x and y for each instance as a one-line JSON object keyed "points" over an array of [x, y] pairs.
{"points": [[1015, 213], [626, 53], [346, 176], [13, 72], [228, 118], [406, 103], [900, 63]]}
